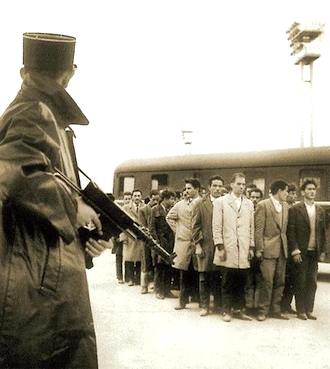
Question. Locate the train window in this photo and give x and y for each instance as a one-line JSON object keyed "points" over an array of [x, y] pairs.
{"points": [[260, 183], [126, 184], [159, 181]]}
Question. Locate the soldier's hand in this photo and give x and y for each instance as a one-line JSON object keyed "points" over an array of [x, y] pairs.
{"points": [[87, 217], [199, 251], [322, 257], [95, 248], [297, 259]]}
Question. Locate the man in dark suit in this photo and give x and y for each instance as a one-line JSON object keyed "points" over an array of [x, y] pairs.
{"points": [[271, 220], [202, 235], [306, 237], [163, 233]]}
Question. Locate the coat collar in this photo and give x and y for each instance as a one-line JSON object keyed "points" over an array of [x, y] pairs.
{"points": [[302, 208], [50, 92], [275, 213]]}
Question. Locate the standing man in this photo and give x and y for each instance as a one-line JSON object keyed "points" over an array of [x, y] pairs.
{"points": [[233, 235], [306, 237], [132, 249], [272, 250], [179, 219], [209, 278], [288, 292], [118, 245], [163, 233], [46, 319], [145, 221], [253, 278]]}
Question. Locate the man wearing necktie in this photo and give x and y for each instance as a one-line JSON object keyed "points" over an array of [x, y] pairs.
{"points": [[271, 220], [233, 235]]}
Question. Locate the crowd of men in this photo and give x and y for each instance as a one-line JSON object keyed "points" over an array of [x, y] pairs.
{"points": [[238, 255]]}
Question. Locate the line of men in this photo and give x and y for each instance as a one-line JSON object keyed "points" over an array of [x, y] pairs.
{"points": [[251, 255]]}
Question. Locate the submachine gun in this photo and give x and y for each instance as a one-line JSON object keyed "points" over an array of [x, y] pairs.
{"points": [[114, 220]]}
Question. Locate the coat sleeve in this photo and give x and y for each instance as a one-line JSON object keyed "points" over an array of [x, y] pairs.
{"points": [[323, 237], [292, 231], [252, 243], [172, 217], [27, 155], [197, 233], [217, 221], [260, 221]]}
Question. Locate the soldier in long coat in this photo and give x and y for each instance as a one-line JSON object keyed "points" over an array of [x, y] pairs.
{"points": [[45, 314], [209, 277]]}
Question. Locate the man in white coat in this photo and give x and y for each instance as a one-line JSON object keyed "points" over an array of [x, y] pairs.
{"points": [[233, 235], [179, 219]]}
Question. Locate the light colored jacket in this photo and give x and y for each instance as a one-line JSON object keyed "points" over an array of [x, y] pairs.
{"points": [[270, 233], [132, 249], [234, 228], [179, 219]]}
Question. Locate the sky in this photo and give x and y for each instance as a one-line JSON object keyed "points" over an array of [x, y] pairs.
{"points": [[149, 69]]}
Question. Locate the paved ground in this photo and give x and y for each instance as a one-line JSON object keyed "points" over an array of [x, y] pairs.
{"points": [[137, 331]]}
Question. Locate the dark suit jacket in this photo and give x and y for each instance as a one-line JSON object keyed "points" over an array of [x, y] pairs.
{"points": [[160, 229], [202, 233], [270, 235], [299, 228]]}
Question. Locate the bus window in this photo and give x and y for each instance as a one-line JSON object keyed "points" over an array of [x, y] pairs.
{"points": [[159, 181], [126, 184], [260, 183]]}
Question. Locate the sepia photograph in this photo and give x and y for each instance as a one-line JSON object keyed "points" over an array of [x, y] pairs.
{"points": [[165, 184]]}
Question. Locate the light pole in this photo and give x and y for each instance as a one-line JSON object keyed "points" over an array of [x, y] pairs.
{"points": [[305, 51], [187, 139]]}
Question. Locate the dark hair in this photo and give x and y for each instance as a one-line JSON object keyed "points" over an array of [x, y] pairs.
{"points": [[278, 185], [292, 187], [153, 193], [136, 190], [307, 182], [251, 185], [166, 194], [194, 182], [127, 193], [216, 178], [236, 175], [256, 189]]}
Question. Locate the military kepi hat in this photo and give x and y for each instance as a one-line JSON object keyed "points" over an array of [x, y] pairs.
{"points": [[48, 51]]}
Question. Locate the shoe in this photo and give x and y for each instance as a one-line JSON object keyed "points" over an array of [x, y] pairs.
{"points": [[120, 281], [289, 311], [242, 316], [130, 283], [261, 317], [204, 312], [311, 316], [302, 316], [159, 296], [144, 290], [180, 307], [171, 295], [226, 317], [280, 316]]}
